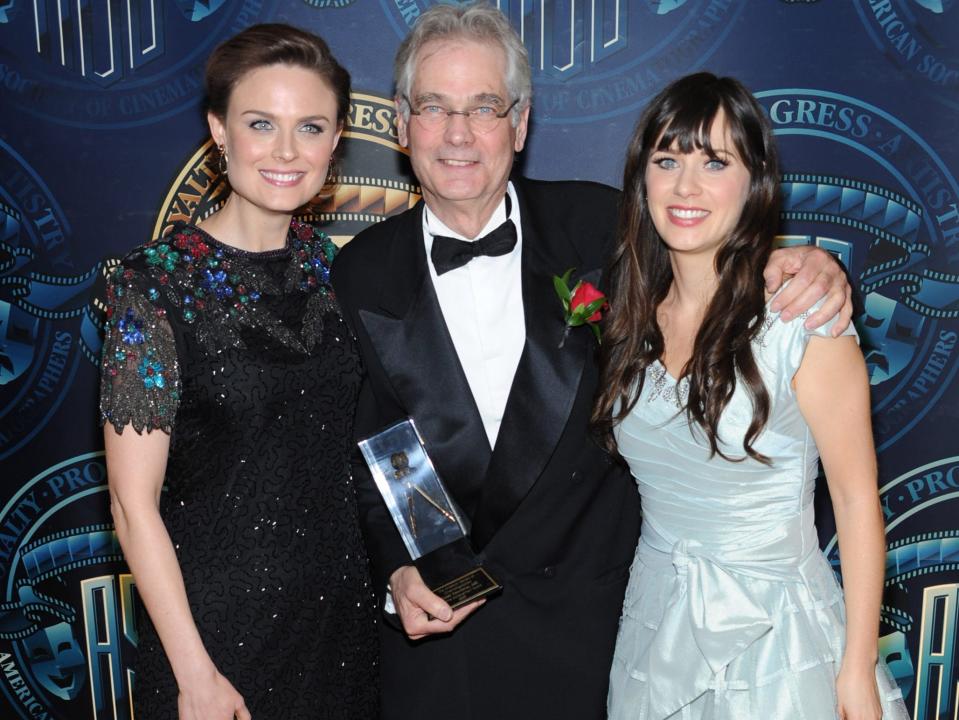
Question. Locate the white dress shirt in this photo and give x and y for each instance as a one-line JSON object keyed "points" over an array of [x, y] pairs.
{"points": [[482, 303]]}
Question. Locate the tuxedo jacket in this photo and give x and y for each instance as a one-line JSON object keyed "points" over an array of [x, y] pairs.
{"points": [[555, 520]]}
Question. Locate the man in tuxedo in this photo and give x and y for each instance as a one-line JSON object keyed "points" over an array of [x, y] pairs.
{"points": [[459, 326]]}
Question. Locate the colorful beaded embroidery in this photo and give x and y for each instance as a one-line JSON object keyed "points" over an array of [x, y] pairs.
{"points": [[213, 287]]}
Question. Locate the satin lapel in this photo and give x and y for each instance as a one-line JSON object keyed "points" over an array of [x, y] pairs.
{"points": [[414, 347], [543, 390]]}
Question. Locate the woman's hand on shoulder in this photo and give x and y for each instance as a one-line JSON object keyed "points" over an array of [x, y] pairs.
{"points": [[857, 693], [211, 697]]}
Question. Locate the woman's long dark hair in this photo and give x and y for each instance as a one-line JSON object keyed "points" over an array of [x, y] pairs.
{"points": [[640, 275]]}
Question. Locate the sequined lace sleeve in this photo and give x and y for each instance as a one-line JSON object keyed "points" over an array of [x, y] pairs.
{"points": [[139, 374]]}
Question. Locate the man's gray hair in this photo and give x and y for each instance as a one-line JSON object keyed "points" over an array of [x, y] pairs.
{"points": [[474, 21]]}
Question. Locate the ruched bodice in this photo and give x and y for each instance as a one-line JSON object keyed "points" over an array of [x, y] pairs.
{"points": [[687, 494], [732, 610]]}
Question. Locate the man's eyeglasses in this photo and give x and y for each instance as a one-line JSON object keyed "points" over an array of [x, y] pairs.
{"points": [[481, 118]]}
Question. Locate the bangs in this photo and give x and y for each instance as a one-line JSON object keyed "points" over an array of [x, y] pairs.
{"points": [[687, 128]]}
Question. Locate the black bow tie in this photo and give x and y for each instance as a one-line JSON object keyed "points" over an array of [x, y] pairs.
{"points": [[449, 253]]}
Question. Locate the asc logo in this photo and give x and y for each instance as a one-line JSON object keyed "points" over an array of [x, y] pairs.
{"points": [[595, 59], [67, 629], [866, 187], [113, 63], [41, 298], [921, 610], [918, 36], [374, 179]]}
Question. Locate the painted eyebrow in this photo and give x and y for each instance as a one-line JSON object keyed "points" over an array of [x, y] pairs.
{"points": [[271, 116], [720, 154], [715, 154]]}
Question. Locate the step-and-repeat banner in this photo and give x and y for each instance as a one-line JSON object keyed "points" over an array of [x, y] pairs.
{"points": [[103, 145]]}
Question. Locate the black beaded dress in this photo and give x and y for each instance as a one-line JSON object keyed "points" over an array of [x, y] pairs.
{"points": [[244, 359]]}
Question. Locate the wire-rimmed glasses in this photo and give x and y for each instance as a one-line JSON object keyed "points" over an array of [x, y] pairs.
{"points": [[481, 118]]}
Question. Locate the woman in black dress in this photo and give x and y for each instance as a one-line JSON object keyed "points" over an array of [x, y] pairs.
{"points": [[228, 391]]}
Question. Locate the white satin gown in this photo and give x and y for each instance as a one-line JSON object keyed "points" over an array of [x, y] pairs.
{"points": [[732, 611]]}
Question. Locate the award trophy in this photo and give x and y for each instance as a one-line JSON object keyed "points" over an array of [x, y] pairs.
{"points": [[428, 520]]}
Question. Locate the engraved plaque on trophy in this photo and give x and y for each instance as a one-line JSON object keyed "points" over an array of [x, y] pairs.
{"points": [[427, 519]]}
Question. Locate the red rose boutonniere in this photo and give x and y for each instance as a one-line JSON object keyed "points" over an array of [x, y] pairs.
{"points": [[583, 304]]}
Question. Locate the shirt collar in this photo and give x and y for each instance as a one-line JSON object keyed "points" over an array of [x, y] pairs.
{"points": [[432, 225]]}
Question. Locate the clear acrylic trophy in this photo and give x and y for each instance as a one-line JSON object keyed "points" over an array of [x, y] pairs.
{"points": [[427, 519]]}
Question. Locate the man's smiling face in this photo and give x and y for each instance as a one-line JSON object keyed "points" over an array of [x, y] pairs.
{"points": [[461, 171]]}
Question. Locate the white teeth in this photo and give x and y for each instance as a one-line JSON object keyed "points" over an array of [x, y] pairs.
{"points": [[688, 214], [458, 163], [281, 177]]}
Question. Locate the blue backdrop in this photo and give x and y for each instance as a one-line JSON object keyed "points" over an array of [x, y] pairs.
{"points": [[103, 145]]}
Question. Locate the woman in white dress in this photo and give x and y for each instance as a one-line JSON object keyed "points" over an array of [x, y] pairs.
{"points": [[722, 410]]}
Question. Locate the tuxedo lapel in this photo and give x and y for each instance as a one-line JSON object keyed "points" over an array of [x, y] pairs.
{"points": [[414, 347], [546, 381]]}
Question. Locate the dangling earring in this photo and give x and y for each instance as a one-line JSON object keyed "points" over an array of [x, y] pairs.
{"points": [[224, 164], [331, 172]]}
